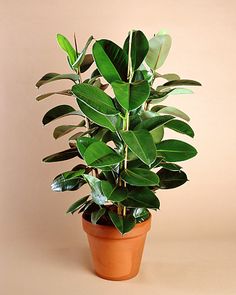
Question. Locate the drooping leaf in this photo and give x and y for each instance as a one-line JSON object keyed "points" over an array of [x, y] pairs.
{"points": [[111, 60], [140, 177], [67, 47], [180, 127], [160, 109], [62, 92], [87, 62], [141, 144], [57, 112], [131, 95], [98, 154], [124, 224], [139, 48], [80, 58], [95, 98], [182, 82], [50, 77], [154, 122], [141, 214], [65, 129], [142, 198], [159, 47], [175, 150], [77, 205], [171, 179], [96, 215], [68, 181], [170, 166], [169, 77], [62, 156]]}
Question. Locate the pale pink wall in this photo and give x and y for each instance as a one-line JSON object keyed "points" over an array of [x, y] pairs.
{"points": [[203, 48]]}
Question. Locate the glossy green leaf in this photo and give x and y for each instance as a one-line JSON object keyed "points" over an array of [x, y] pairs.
{"points": [[141, 144], [107, 188], [62, 92], [77, 205], [139, 48], [62, 156], [170, 166], [57, 112], [68, 181], [96, 215], [124, 224], [109, 122], [175, 150], [98, 154], [169, 77], [154, 122], [171, 179], [159, 47], [142, 198], [50, 77], [131, 95], [140, 177], [119, 194], [141, 214], [181, 127], [67, 47], [160, 109], [82, 143], [80, 59], [111, 60], [182, 82], [95, 98], [95, 184], [157, 134]]}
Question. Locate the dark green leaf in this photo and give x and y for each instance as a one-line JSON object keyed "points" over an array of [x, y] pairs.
{"points": [[77, 205], [68, 181], [57, 112], [182, 82], [111, 60], [96, 215], [131, 96], [62, 92], [141, 144], [170, 166], [87, 62], [107, 188], [95, 98], [65, 129], [62, 156], [180, 127], [50, 77], [83, 143], [141, 214], [118, 194], [175, 150], [139, 48], [171, 179], [154, 122], [124, 224], [140, 177], [99, 155], [142, 198], [97, 194]]}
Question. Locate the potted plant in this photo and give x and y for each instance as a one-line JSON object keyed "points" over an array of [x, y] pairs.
{"points": [[119, 142]]}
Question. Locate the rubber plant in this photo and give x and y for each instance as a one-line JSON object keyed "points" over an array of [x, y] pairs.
{"points": [[119, 138]]}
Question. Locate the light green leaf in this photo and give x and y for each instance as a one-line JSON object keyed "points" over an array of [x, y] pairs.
{"points": [[95, 185], [78, 62], [62, 92], [50, 77], [65, 129], [83, 143], [160, 109], [67, 47]]}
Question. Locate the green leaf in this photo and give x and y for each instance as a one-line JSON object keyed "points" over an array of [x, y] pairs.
{"points": [[80, 59], [50, 77], [157, 134], [159, 47], [65, 129], [96, 215], [109, 122], [83, 143], [141, 214], [154, 122], [139, 48], [98, 154], [107, 188], [95, 98], [111, 60], [131, 95], [171, 179], [141, 144], [57, 112], [119, 194], [95, 184], [180, 127], [87, 62], [169, 77], [67, 47], [182, 82], [170, 166], [62, 92], [124, 224], [170, 111], [175, 150], [140, 177], [77, 205], [142, 198], [68, 181], [62, 156]]}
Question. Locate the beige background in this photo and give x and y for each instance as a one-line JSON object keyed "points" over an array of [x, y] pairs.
{"points": [[191, 248]]}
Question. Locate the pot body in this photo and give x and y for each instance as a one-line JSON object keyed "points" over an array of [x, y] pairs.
{"points": [[116, 257]]}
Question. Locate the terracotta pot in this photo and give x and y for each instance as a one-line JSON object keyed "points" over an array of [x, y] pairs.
{"points": [[116, 257]]}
